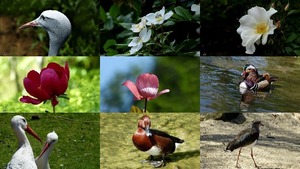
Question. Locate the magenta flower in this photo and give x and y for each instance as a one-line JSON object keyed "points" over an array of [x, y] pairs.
{"points": [[146, 87], [47, 85]]}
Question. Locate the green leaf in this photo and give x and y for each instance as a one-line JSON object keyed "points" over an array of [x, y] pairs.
{"points": [[109, 43], [109, 24], [292, 37], [103, 16], [183, 13], [114, 11]]}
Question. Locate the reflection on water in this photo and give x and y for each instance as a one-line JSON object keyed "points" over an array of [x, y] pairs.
{"points": [[219, 78]]}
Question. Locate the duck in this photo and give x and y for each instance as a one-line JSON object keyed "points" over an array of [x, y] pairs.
{"points": [[253, 81], [23, 158], [247, 137], [42, 161], [57, 25], [154, 142]]}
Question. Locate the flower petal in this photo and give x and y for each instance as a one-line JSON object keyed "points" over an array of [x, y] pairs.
{"points": [[132, 87], [33, 87], [27, 99], [168, 15], [271, 11], [160, 93]]}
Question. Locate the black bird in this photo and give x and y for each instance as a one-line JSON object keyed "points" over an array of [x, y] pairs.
{"points": [[244, 138]]}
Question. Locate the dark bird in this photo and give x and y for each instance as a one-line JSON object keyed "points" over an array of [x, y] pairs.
{"points": [[154, 142], [244, 138], [57, 26], [253, 81]]}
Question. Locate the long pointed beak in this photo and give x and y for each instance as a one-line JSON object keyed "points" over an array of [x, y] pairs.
{"points": [[30, 131], [148, 133], [46, 146], [29, 24]]}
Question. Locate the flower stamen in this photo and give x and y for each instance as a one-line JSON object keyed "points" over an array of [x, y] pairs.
{"points": [[261, 28]]}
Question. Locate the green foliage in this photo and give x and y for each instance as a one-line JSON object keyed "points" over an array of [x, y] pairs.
{"points": [[78, 139], [83, 14], [172, 38], [83, 89]]}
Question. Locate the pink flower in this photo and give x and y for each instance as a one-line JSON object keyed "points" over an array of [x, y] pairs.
{"points": [[146, 87], [47, 85]]}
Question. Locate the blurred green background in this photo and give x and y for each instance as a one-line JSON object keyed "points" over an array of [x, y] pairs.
{"points": [[77, 145], [220, 20], [83, 15], [83, 89]]}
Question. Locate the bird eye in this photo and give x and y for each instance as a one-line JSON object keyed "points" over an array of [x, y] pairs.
{"points": [[24, 120], [43, 17]]}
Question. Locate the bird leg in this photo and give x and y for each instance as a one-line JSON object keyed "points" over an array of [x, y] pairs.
{"points": [[237, 161], [253, 158]]}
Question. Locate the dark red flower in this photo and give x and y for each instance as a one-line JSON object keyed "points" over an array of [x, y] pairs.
{"points": [[47, 85]]}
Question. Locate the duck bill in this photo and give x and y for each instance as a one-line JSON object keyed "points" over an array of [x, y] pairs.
{"points": [[147, 130], [30, 131], [29, 24], [46, 146]]}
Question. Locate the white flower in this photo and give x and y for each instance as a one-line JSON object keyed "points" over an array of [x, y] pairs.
{"points": [[138, 27], [254, 25], [158, 17], [137, 42], [196, 9]]}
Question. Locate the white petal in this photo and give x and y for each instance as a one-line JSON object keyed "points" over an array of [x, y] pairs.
{"points": [[248, 21], [146, 37], [162, 11], [271, 11], [168, 15], [134, 42], [259, 13], [150, 19]]}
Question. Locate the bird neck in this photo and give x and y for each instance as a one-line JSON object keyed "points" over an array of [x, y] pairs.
{"points": [[22, 138], [54, 46]]}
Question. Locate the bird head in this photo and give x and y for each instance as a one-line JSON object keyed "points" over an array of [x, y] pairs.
{"points": [[56, 24]]}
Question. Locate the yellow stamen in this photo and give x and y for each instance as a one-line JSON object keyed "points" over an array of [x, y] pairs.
{"points": [[261, 28]]}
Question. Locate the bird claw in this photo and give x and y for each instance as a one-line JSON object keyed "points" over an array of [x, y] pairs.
{"points": [[154, 163]]}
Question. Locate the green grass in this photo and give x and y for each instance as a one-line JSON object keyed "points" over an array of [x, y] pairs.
{"points": [[118, 151], [78, 139]]}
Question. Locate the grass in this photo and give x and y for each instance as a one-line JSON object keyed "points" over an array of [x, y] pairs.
{"points": [[118, 151], [78, 139]]}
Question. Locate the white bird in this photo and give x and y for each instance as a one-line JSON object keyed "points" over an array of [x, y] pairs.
{"points": [[23, 157], [56, 24], [42, 160]]}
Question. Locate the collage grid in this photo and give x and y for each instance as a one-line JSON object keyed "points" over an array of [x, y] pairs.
{"points": [[99, 84]]}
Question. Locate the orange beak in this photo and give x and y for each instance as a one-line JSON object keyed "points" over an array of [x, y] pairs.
{"points": [[46, 146], [30, 131]]}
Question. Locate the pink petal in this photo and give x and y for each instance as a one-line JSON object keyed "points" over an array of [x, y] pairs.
{"points": [[147, 80], [160, 93], [27, 99], [132, 87]]}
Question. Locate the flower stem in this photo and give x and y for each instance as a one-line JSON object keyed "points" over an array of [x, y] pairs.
{"points": [[145, 109]]}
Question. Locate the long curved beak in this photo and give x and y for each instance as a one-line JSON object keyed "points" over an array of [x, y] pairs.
{"points": [[46, 146], [29, 24], [30, 131]]}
